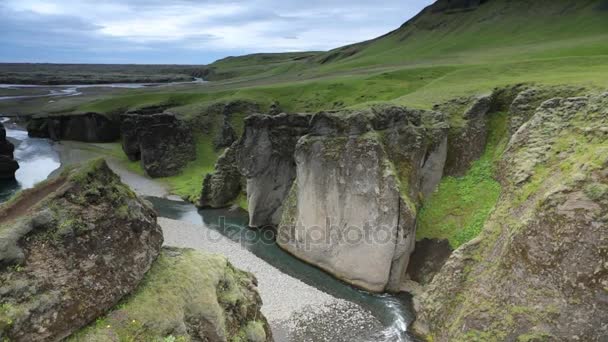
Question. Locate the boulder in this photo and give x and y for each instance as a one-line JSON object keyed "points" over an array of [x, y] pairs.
{"points": [[538, 271], [89, 127], [352, 209], [222, 186], [265, 156], [71, 249], [8, 166], [163, 143], [203, 298]]}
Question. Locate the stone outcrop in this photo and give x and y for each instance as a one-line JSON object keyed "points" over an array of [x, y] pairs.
{"points": [[226, 137], [265, 156], [467, 138], [202, 296], [89, 127], [71, 249], [8, 165], [222, 186], [353, 206], [163, 143], [539, 269]]}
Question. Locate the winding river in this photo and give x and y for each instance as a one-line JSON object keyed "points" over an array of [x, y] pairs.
{"points": [[38, 159]]}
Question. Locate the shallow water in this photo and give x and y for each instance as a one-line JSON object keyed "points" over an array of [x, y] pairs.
{"points": [[394, 312], [66, 90], [37, 160]]}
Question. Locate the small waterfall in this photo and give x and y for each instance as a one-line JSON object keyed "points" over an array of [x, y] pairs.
{"points": [[397, 331]]}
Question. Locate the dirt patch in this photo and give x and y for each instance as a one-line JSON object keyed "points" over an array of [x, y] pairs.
{"points": [[28, 199]]}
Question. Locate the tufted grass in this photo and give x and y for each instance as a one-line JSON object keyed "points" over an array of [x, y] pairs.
{"points": [[459, 208]]}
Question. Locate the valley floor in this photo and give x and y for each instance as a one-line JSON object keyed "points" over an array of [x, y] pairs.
{"points": [[293, 308]]}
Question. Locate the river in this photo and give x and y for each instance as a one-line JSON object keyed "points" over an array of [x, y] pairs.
{"points": [[38, 158]]}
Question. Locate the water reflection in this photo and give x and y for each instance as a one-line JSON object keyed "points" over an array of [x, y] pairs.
{"points": [[37, 160]]}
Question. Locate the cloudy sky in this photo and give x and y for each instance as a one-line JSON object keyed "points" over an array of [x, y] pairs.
{"points": [[187, 31]]}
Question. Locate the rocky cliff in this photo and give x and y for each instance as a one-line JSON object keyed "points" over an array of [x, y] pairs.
{"points": [[202, 296], [8, 165], [89, 127], [352, 209], [70, 249], [163, 143], [539, 269], [265, 157]]}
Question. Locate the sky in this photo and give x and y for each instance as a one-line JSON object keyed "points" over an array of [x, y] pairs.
{"points": [[187, 31]]}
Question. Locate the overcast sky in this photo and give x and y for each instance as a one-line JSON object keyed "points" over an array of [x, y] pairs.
{"points": [[187, 31]]}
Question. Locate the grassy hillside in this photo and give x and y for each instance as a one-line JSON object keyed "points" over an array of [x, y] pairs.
{"points": [[442, 53]]}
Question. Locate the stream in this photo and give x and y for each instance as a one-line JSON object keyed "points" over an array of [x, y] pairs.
{"points": [[38, 159], [66, 90]]}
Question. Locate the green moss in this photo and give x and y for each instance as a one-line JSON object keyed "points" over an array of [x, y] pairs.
{"points": [[188, 183], [458, 210], [534, 337], [596, 191], [187, 285]]}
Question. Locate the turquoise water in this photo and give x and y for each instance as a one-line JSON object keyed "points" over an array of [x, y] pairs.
{"points": [[394, 312]]}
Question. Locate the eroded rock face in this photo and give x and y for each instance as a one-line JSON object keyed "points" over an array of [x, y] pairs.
{"points": [[162, 142], [265, 156], [90, 127], [8, 165], [468, 142], [350, 212], [541, 259], [70, 249], [204, 298], [224, 184]]}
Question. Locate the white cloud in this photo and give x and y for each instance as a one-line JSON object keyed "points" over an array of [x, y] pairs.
{"points": [[216, 26]]}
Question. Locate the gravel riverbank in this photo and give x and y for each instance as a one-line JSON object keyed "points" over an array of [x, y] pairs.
{"points": [[296, 311]]}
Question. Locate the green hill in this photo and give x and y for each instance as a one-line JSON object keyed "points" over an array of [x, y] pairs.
{"points": [[452, 48]]}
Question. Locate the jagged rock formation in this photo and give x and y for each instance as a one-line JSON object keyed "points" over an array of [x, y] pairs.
{"points": [[539, 269], [163, 143], [222, 186], [204, 298], [8, 165], [226, 137], [265, 156], [89, 127], [467, 139], [352, 209], [70, 249]]}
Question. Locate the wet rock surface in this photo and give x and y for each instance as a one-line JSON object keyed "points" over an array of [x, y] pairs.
{"points": [[70, 249], [8, 165], [89, 127], [163, 143]]}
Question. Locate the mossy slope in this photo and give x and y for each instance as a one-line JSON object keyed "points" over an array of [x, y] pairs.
{"points": [[186, 296]]}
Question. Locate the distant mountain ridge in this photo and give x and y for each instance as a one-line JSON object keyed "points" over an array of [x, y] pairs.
{"points": [[452, 31]]}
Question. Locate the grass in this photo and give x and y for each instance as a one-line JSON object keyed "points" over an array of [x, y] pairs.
{"points": [[188, 184], [459, 208], [188, 286]]}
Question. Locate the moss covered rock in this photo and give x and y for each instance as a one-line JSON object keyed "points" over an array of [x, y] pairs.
{"points": [[70, 249], [539, 269], [360, 176], [186, 296]]}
